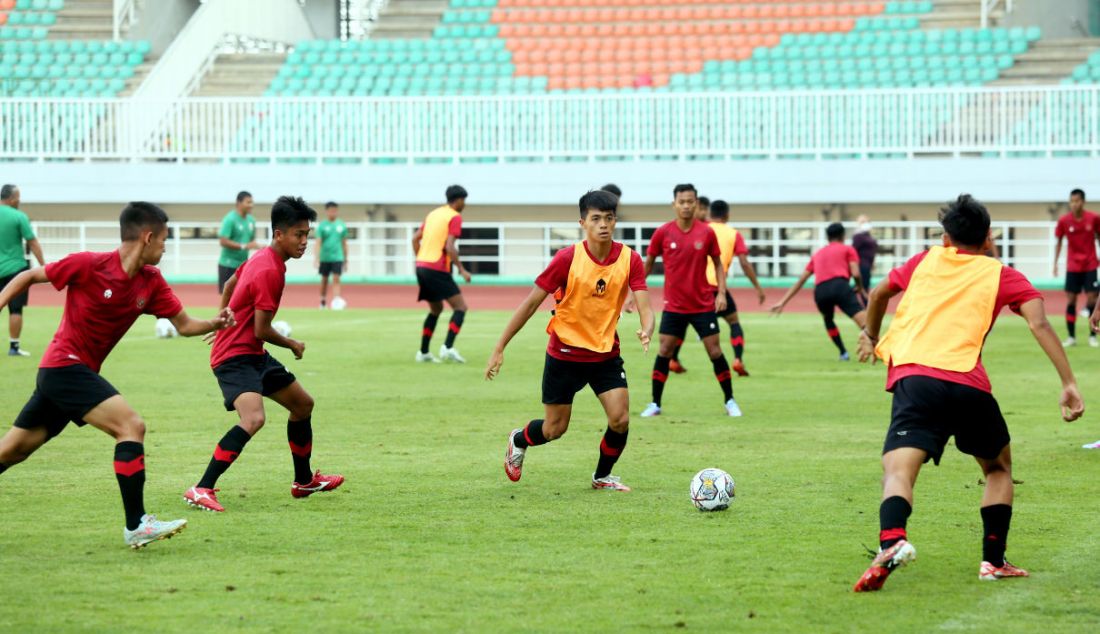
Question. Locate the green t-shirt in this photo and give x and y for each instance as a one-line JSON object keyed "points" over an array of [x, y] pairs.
{"points": [[14, 229], [332, 235], [239, 230]]}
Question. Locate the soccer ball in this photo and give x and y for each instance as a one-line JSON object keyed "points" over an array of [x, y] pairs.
{"points": [[165, 329], [282, 328], [712, 490], [338, 303]]}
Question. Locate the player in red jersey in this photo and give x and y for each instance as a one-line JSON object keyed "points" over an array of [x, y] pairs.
{"points": [[688, 248], [1080, 229], [833, 268], [247, 373], [590, 281], [106, 293], [702, 214]]}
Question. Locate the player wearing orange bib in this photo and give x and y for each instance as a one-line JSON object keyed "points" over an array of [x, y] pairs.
{"points": [[590, 282], [436, 253], [933, 350], [731, 243]]}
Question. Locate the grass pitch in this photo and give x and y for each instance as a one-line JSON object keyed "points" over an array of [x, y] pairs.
{"points": [[428, 534]]}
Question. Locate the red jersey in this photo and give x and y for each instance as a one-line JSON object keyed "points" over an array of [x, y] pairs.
{"points": [[1015, 289], [1080, 241], [454, 228], [686, 255], [831, 261], [101, 305], [554, 279], [260, 282]]}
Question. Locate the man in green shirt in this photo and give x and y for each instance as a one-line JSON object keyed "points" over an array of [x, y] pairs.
{"points": [[237, 237], [14, 229], [332, 252]]}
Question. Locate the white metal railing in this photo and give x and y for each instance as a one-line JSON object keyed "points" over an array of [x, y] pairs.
{"points": [[123, 16], [988, 7], [996, 121], [521, 250]]}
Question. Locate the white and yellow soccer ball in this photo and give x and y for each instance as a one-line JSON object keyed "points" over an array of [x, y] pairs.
{"points": [[165, 329], [338, 303], [711, 490], [281, 327]]}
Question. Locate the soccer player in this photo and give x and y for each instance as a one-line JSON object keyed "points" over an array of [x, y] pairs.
{"points": [[688, 247], [237, 237], [590, 282], [702, 214], [106, 293], [833, 266], [332, 250], [1079, 227], [933, 352], [866, 247], [247, 373], [14, 229], [436, 253], [731, 243], [614, 189]]}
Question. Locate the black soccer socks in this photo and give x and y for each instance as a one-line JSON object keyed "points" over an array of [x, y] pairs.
{"points": [[1071, 319], [229, 447], [722, 373], [299, 433], [660, 375], [834, 334], [737, 340], [611, 446], [130, 472], [530, 436], [426, 334], [456, 325], [893, 513], [995, 521]]}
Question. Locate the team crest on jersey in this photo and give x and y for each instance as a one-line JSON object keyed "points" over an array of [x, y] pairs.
{"points": [[698, 245], [107, 294], [141, 303], [601, 288]]}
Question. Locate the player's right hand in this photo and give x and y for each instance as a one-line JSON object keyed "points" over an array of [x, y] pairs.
{"points": [[493, 368], [298, 348], [629, 305], [1073, 406], [866, 348], [1055, 270], [644, 337], [777, 310]]}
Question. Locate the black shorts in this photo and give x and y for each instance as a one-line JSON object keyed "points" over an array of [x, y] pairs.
{"points": [[561, 380], [731, 306], [837, 293], [331, 268], [435, 286], [1083, 282], [63, 395], [259, 373], [15, 306], [676, 324], [928, 411], [224, 273]]}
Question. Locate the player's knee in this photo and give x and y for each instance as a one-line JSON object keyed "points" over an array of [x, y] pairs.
{"points": [[303, 408], [252, 423], [620, 423], [133, 426]]}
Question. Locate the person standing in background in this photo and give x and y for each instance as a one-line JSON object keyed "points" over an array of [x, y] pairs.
{"points": [[866, 246], [15, 228], [237, 237], [332, 251]]}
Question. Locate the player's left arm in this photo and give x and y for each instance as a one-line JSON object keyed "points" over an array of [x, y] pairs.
{"points": [[1073, 406], [417, 237], [876, 310], [188, 326], [36, 249], [778, 308], [227, 291], [645, 318], [452, 251], [750, 273], [720, 299], [266, 332], [344, 242], [519, 319], [21, 283], [853, 270]]}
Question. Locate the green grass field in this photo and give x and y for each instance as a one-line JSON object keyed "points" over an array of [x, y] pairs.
{"points": [[428, 534]]}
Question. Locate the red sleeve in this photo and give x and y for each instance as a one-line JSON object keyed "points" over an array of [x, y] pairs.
{"points": [[713, 249], [852, 255], [268, 290], [162, 300], [637, 273], [455, 228], [739, 247], [557, 274], [1015, 290], [1060, 228], [899, 277], [657, 242], [69, 270], [810, 264]]}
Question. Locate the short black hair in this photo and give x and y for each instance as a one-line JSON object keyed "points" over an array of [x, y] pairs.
{"points": [[835, 231], [704, 201], [720, 209], [289, 211], [330, 204], [966, 221], [1076, 192], [456, 192], [600, 200], [6, 191], [241, 195], [613, 188], [684, 187], [140, 216]]}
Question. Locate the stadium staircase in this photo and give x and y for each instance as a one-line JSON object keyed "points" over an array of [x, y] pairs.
{"points": [[240, 75], [85, 19], [409, 19]]}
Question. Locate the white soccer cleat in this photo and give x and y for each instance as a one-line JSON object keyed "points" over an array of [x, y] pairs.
{"points": [[732, 409], [1094, 342], [513, 457], [651, 410], [426, 357], [450, 354], [609, 483], [18, 352], [151, 530], [1069, 342], [1092, 445]]}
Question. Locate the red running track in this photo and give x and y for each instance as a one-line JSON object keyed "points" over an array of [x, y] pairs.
{"points": [[478, 297]]}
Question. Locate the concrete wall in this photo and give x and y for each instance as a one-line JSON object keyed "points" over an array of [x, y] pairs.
{"points": [[1055, 17], [160, 21], [323, 16]]}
